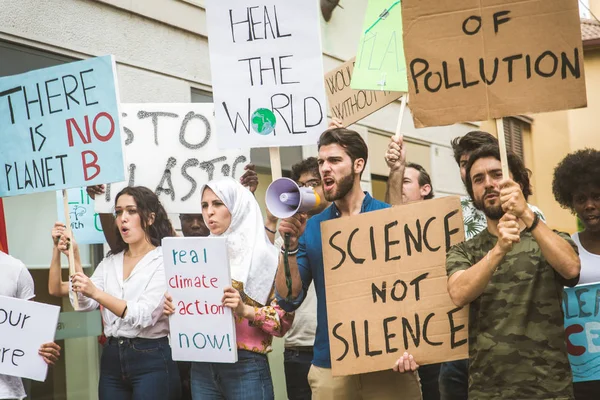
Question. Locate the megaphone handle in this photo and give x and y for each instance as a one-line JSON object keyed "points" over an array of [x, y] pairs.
{"points": [[286, 266]]}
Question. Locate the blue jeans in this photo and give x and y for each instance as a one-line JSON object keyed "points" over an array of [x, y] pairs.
{"points": [[138, 369], [296, 365], [247, 379], [454, 380]]}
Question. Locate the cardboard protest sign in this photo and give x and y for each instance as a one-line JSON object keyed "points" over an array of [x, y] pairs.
{"points": [[59, 128], [24, 327], [197, 271], [172, 149], [351, 105], [478, 60], [267, 72], [582, 328], [380, 63], [85, 222], [386, 286]]}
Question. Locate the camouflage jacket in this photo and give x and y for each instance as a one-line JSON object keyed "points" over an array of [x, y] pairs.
{"points": [[517, 344]]}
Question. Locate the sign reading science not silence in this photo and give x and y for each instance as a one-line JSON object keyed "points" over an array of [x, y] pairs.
{"points": [[386, 286], [472, 60]]}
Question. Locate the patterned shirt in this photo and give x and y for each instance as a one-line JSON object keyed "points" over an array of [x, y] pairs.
{"points": [[475, 221], [269, 321], [517, 345]]}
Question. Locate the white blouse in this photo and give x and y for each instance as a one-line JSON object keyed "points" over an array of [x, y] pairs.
{"points": [[143, 290]]}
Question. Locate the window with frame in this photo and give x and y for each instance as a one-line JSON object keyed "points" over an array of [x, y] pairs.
{"points": [[513, 133]]}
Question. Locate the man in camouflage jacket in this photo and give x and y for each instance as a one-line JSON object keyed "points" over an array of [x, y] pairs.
{"points": [[512, 275]]}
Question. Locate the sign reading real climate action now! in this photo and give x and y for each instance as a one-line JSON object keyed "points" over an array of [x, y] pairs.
{"points": [[386, 286], [267, 72], [197, 271], [474, 60], [59, 128]]}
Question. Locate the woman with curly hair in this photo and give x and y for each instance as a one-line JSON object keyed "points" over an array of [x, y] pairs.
{"points": [[129, 287], [576, 186]]}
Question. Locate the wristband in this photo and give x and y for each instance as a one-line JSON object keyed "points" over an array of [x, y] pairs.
{"points": [[123, 313], [534, 224], [290, 252], [269, 230]]}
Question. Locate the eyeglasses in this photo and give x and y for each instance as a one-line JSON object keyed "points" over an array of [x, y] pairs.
{"points": [[312, 183]]}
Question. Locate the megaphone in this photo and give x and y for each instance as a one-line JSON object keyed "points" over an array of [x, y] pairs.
{"points": [[285, 198]]}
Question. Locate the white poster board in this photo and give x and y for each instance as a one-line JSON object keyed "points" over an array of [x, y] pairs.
{"points": [[197, 271], [267, 72], [172, 150], [24, 326]]}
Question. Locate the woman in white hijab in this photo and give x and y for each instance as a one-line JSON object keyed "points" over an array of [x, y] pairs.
{"points": [[231, 211]]}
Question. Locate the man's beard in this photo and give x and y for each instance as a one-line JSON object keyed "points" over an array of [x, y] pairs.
{"points": [[492, 212], [344, 186]]}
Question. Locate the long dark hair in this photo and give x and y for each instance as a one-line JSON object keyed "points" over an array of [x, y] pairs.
{"points": [[146, 203]]}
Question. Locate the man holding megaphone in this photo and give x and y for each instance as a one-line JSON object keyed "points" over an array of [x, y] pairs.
{"points": [[342, 158]]}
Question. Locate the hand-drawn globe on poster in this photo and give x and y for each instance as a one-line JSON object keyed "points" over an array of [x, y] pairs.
{"points": [[263, 121]]}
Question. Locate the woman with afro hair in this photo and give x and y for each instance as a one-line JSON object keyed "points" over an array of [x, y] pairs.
{"points": [[576, 186]]}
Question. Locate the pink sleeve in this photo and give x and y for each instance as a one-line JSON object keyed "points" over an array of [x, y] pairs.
{"points": [[272, 319]]}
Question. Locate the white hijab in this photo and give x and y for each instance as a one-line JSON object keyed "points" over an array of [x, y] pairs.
{"points": [[252, 258]]}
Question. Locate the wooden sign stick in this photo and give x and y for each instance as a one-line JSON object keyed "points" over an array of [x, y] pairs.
{"points": [[275, 157], [69, 234], [403, 103], [502, 145]]}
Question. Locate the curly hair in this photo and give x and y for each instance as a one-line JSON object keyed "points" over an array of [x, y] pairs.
{"points": [[470, 142], [309, 165], [576, 171], [147, 203], [515, 165]]}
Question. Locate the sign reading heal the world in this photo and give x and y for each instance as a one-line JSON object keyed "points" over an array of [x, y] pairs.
{"points": [[85, 222], [59, 128], [197, 271], [172, 149], [24, 327], [267, 72], [581, 306]]}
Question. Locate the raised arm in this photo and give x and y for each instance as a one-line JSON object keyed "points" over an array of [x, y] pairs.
{"points": [[555, 249], [395, 157]]}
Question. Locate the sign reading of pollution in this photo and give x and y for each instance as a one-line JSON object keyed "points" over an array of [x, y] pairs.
{"points": [[474, 62], [197, 271], [386, 286], [59, 128], [267, 72]]}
